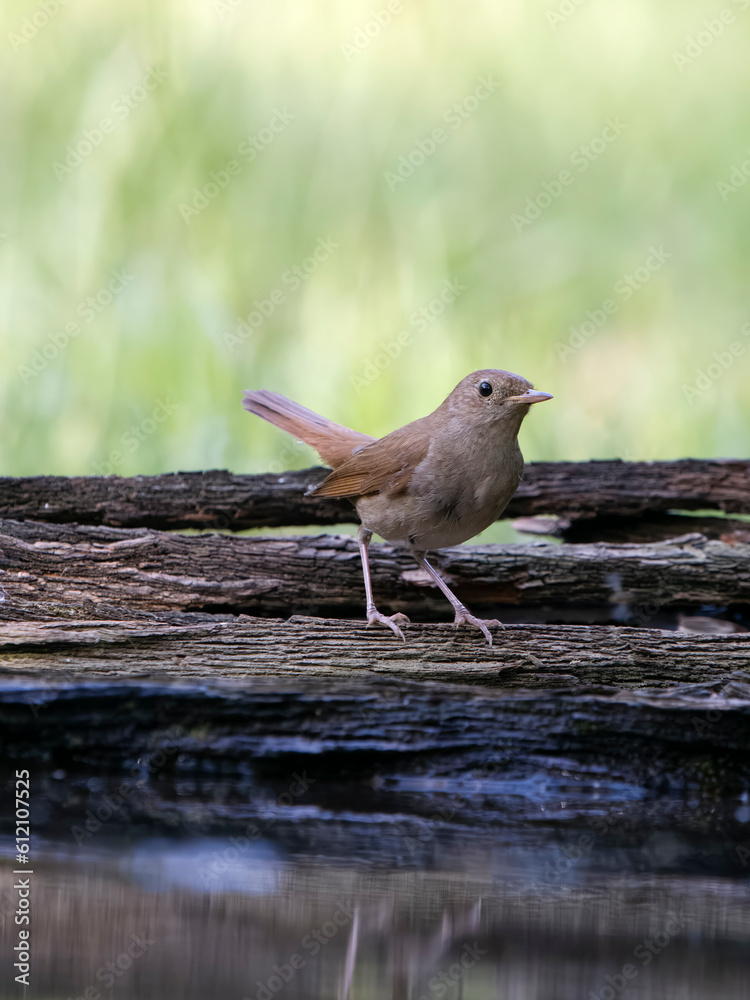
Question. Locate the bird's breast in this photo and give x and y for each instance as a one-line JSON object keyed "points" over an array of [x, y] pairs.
{"points": [[450, 497]]}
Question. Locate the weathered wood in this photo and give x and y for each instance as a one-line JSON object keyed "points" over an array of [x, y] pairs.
{"points": [[223, 500], [338, 699], [40, 640], [445, 725], [271, 717], [154, 570]]}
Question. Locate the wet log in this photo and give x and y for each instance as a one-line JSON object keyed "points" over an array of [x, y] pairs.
{"points": [[629, 710], [390, 739], [270, 717], [154, 570], [223, 500]]}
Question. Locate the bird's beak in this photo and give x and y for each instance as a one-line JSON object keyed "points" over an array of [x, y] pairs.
{"points": [[530, 396]]}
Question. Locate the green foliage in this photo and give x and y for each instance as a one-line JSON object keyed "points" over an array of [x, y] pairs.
{"points": [[307, 112]]}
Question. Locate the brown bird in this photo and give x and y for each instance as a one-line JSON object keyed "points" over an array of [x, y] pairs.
{"points": [[435, 482]]}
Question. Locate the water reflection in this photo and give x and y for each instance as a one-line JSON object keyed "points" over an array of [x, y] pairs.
{"points": [[163, 918]]}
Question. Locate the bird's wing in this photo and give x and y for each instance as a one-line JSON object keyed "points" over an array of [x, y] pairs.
{"points": [[385, 465], [333, 442]]}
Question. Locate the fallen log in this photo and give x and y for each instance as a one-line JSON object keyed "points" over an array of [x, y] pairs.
{"points": [[154, 570], [626, 710], [117, 650], [389, 738], [224, 500], [44, 641], [270, 717]]}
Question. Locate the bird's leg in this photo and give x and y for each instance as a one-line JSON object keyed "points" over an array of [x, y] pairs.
{"points": [[463, 617], [373, 615]]}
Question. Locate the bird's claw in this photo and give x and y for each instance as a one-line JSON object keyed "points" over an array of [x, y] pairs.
{"points": [[373, 616], [463, 617]]}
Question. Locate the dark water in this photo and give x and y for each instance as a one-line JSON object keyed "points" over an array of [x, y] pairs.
{"points": [[255, 853], [475, 914]]}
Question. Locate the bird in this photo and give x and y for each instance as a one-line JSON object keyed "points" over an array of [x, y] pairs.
{"points": [[435, 482]]}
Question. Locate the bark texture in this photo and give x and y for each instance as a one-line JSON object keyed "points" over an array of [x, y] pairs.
{"points": [[625, 711], [223, 500], [69, 643], [154, 570], [118, 650]]}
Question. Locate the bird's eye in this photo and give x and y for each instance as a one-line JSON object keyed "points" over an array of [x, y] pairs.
{"points": [[485, 389]]}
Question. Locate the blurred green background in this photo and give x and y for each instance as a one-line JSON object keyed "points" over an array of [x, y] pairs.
{"points": [[168, 165]]}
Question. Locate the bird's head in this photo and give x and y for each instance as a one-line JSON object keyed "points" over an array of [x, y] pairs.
{"points": [[492, 395]]}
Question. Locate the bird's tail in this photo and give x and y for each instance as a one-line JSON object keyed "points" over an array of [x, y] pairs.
{"points": [[332, 442]]}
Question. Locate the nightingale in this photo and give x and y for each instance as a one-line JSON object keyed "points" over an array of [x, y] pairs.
{"points": [[435, 482]]}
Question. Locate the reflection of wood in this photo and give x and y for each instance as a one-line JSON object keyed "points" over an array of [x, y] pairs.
{"points": [[350, 960], [223, 500], [222, 944], [153, 570]]}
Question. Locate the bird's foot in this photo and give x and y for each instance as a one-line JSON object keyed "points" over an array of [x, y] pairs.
{"points": [[463, 617], [373, 616]]}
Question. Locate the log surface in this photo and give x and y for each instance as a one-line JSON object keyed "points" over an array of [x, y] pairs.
{"points": [[155, 570], [223, 500], [117, 649], [622, 708], [113, 643], [388, 731]]}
